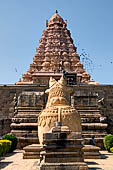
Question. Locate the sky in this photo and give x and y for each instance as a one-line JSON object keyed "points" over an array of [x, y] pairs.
{"points": [[89, 21]]}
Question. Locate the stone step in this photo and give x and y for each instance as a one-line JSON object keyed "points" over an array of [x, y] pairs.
{"points": [[25, 133], [92, 120], [30, 108], [29, 139], [89, 112], [24, 120], [96, 138], [32, 156], [58, 153], [66, 141], [100, 135], [33, 151], [86, 107], [24, 126], [33, 148], [71, 147], [90, 115], [26, 115], [91, 152], [56, 157], [29, 112], [98, 141], [94, 126], [93, 132], [24, 141]]}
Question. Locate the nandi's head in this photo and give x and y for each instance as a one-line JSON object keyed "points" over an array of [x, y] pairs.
{"points": [[58, 92]]}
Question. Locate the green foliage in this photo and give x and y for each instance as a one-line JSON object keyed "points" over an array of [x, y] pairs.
{"points": [[13, 139], [108, 142], [111, 149], [1, 149], [5, 146]]}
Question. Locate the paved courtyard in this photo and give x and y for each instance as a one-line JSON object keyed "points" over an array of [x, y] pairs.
{"points": [[15, 161]]}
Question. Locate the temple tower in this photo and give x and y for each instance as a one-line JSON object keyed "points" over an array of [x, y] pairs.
{"points": [[55, 53]]}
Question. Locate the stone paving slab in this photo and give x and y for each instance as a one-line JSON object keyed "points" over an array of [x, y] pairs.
{"points": [[15, 161], [105, 163]]}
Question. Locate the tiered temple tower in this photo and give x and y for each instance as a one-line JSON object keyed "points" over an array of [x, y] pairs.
{"points": [[55, 53]]}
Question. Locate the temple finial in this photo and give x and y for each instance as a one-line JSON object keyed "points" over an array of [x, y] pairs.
{"points": [[56, 12]]}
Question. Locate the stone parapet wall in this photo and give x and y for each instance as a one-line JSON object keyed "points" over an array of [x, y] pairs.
{"points": [[7, 93], [104, 94], [102, 91]]}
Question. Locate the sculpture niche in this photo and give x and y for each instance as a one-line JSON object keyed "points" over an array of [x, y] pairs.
{"points": [[58, 109]]}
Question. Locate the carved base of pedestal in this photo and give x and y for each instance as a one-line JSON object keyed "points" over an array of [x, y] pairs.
{"points": [[64, 166]]}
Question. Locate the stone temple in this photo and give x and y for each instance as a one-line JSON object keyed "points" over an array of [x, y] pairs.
{"points": [[56, 55], [56, 52]]}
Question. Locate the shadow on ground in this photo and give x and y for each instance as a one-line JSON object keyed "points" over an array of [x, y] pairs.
{"points": [[104, 156], [4, 164], [8, 155], [93, 163]]}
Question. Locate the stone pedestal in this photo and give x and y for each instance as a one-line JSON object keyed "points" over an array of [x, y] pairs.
{"points": [[91, 152], [32, 151], [62, 150]]}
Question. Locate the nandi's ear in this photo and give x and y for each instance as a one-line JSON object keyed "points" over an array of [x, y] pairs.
{"points": [[62, 81], [52, 81]]}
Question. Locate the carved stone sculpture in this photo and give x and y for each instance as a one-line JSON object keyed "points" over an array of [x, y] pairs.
{"points": [[58, 110]]}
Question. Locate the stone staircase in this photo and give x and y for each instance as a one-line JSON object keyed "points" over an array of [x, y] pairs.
{"points": [[91, 125], [24, 125]]}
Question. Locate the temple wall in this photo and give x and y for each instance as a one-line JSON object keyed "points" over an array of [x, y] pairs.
{"points": [[7, 93], [104, 92]]}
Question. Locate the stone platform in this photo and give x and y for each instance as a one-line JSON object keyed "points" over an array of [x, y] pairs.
{"points": [[33, 152], [13, 161], [91, 152], [64, 166]]}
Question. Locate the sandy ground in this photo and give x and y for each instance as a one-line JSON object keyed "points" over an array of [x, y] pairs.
{"points": [[15, 161]]}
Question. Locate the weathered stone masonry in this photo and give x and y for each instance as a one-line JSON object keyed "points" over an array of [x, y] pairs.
{"points": [[7, 93]]}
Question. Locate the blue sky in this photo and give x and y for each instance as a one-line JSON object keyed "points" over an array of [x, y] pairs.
{"points": [[22, 23]]}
